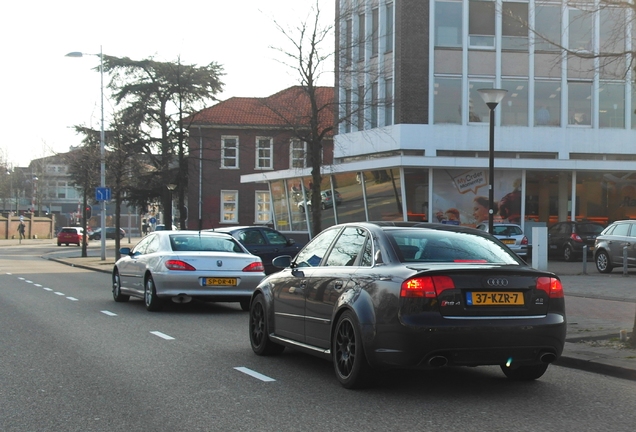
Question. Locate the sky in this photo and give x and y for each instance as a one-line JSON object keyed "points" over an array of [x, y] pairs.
{"points": [[43, 93]]}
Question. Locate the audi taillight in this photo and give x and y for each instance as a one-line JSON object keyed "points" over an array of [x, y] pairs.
{"points": [[552, 286], [178, 265], [575, 237], [426, 286], [255, 267]]}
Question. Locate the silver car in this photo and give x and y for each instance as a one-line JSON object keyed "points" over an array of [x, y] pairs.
{"points": [[511, 235], [182, 265]]}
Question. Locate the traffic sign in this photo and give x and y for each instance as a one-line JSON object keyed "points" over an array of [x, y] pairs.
{"points": [[102, 194]]}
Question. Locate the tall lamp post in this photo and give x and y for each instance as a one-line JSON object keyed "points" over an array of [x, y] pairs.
{"points": [[492, 97], [102, 156]]}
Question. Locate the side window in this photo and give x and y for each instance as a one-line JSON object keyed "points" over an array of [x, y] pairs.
{"points": [[366, 260], [313, 254], [276, 238], [347, 247], [554, 229], [140, 248], [252, 237], [153, 245], [621, 229]]}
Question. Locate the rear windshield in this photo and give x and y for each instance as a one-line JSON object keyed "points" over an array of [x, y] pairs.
{"points": [[507, 230], [195, 243], [590, 228], [69, 230], [424, 245]]}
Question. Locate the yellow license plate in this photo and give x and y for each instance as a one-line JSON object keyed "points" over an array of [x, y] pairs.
{"points": [[221, 281], [508, 241], [494, 298]]}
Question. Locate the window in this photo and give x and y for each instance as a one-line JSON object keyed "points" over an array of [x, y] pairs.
{"points": [[514, 26], [580, 103], [389, 27], [263, 207], [298, 154], [229, 206], [360, 109], [548, 27], [348, 110], [264, 153], [581, 30], [388, 102], [611, 109], [478, 111], [547, 103], [314, 252], [448, 100], [361, 37], [229, 152], [612, 28], [448, 24], [515, 104], [347, 247], [374, 105], [348, 41], [481, 24], [376, 31]]}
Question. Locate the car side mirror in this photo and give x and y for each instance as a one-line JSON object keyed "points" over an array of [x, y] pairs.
{"points": [[283, 261], [290, 241], [124, 251]]}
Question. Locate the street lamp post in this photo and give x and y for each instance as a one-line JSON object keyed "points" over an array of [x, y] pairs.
{"points": [[102, 155], [171, 188], [491, 97]]}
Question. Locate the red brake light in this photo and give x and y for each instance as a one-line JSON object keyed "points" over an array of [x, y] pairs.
{"points": [[255, 267], [426, 287], [575, 237], [524, 240], [178, 265], [552, 286]]}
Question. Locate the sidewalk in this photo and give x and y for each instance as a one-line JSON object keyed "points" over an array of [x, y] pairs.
{"points": [[599, 306]]}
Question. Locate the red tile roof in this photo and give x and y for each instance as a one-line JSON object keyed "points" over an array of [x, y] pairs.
{"points": [[287, 108]]}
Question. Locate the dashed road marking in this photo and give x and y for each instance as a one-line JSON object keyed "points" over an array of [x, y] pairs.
{"points": [[162, 335], [58, 293], [254, 374], [109, 313], [72, 298], [47, 289]]}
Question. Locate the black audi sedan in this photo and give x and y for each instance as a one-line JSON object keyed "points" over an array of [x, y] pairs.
{"points": [[376, 295]]}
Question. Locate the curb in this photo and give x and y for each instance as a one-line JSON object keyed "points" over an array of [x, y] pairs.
{"points": [[589, 365]]}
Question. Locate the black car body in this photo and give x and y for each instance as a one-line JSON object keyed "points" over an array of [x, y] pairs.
{"points": [[618, 238], [264, 242], [410, 295], [566, 239], [110, 233]]}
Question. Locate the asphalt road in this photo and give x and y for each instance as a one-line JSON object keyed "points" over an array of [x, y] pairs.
{"points": [[74, 360]]}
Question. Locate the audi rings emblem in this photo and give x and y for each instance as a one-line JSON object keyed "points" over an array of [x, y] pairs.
{"points": [[497, 282], [219, 263]]}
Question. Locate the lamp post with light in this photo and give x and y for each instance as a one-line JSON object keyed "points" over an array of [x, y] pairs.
{"points": [[491, 97], [102, 155]]}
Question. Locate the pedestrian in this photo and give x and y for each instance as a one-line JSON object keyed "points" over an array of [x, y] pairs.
{"points": [[144, 227], [21, 230]]}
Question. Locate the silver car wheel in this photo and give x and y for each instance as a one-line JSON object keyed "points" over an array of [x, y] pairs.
{"points": [[117, 295], [152, 301]]}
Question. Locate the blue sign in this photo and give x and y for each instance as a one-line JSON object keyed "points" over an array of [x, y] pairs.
{"points": [[153, 220], [102, 194]]}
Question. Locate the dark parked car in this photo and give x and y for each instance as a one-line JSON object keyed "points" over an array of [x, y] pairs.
{"points": [[375, 295], [267, 243], [609, 245], [566, 239], [110, 233]]}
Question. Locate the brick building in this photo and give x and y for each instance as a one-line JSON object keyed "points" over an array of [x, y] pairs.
{"points": [[245, 136]]}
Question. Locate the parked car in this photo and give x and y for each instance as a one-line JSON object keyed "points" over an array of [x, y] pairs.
{"points": [[110, 233], [162, 227], [326, 201], [609, 245], [511, 235], [267, 243], [70, 235], [566, 239], [184, 265], [413, 295]]}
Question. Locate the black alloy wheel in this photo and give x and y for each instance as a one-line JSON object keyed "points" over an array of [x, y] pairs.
{"points": [[603, 264], [526, 372], [259, 333], [117, 295], [349, 361]]}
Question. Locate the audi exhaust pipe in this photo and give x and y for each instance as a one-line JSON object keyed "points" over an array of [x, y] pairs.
{"points": [[547, 357], [182, 298], [437, 361]]}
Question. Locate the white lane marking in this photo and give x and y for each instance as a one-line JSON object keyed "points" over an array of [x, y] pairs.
{"points": [[254, 374], [109, 313], [9, 273], [47, 289], [37, 285], [28, 281], [58, 293], [20, 278], [72, 298], [162, 335]]}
